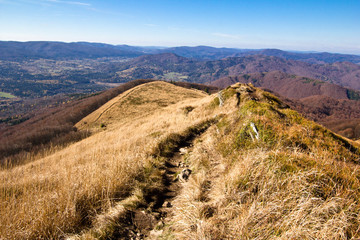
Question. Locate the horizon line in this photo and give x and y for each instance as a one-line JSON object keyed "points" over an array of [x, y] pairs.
{"points": [[194, 45]]}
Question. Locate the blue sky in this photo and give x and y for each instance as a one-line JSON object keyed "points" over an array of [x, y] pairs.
{"points": [[317, 25]]}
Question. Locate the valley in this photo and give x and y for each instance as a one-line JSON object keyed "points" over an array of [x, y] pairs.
{"points": [[37, 69], [54, 73], [52, 76], [179, 120], [167, 156]]}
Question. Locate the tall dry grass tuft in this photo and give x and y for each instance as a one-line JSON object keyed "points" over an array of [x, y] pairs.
{"points": [[62, 193]]}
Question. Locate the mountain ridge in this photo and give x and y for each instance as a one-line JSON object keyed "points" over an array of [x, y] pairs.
{"points": [[333, 106], [60, 50], [343, 74], [250, 167], [318, 57], [12, 50]]}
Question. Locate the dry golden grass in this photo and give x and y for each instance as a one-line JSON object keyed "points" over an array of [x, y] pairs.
{"points": [[356, 143], [273, 188], [62, 193], [298, 181], [135, 104]]}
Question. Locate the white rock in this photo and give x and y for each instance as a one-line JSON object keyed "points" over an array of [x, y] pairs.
{"points": [[183, 151]]}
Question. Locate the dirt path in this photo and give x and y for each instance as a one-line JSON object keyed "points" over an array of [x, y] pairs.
{"points": [[148, 219], [147, 225]]}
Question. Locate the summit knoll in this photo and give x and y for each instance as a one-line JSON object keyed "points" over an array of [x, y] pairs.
{"points": [[165, 162], [333, 106]]}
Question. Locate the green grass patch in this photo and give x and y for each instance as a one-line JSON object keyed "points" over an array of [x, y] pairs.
{"points": [[313, 81], [174, 76], [228, 93], [245, 137], [6, 95], [252, 106], [214, 103], [274, 100], [292, 116]]}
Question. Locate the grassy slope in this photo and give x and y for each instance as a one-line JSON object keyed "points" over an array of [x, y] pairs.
{"points": [[6, 95], [298, 181], [63, 192], [52, 127], [136, 103]]}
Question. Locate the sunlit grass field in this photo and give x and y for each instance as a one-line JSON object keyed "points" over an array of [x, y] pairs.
{"points": [[289, 179]]}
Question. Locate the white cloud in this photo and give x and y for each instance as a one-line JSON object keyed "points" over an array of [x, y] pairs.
{"points": [[70, 2]]}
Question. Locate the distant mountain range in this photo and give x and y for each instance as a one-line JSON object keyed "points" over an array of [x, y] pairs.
{"points": [[320, 57], [323, 86], [11, 50], [61, 50], [206, 52], [345, 74], [26, 77]]}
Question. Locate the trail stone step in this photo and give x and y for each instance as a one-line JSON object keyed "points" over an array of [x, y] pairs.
{"points": [[167, 204], [185, 174], [183, 151]]}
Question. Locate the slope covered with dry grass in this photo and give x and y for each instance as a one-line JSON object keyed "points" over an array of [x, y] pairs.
{"points": [[62, 193], [258, 171], [297, 181], [135, 104], [51, 127]]}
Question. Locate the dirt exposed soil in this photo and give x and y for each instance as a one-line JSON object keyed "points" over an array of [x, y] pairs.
{"points": [[143, 223]]}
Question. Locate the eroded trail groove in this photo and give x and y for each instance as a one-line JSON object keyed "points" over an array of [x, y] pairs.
{"points": [[146, 212], [147, 221], [148, 224]]}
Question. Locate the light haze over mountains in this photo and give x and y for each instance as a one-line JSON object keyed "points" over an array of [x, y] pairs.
{"points": [[330, 26]]}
